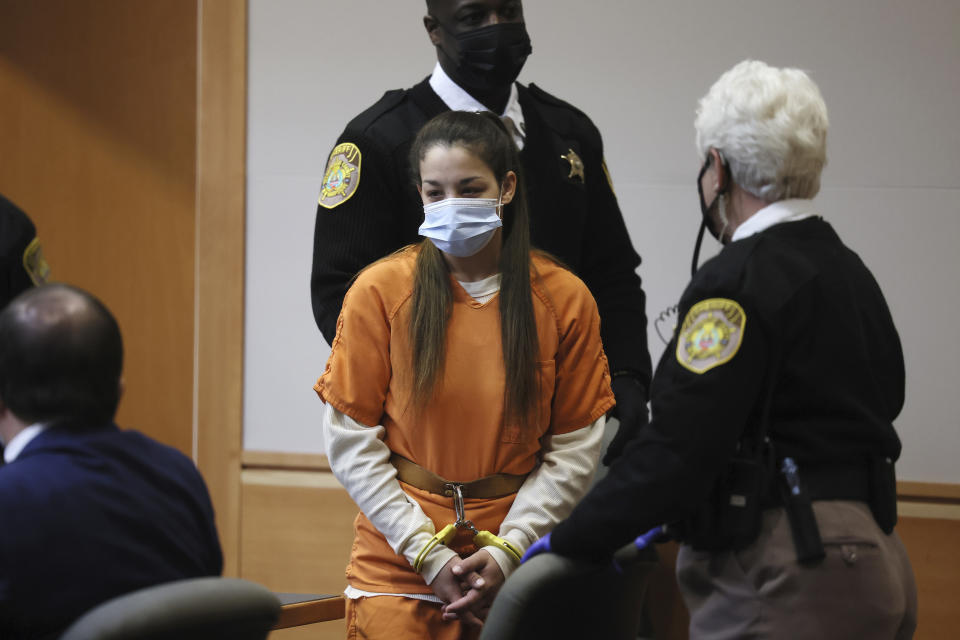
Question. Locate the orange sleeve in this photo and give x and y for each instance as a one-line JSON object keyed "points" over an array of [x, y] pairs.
{"points": [[358, 371], [582, 392]]}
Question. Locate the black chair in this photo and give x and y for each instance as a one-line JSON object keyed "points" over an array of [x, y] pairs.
{"points": [[550, 596], [195, 609]]}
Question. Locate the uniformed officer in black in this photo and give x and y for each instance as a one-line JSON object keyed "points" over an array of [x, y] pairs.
{"points": [[369, 207], [771, 442]]}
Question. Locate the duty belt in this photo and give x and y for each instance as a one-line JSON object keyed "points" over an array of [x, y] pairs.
{"points": [[827, 483], [495, 486]]}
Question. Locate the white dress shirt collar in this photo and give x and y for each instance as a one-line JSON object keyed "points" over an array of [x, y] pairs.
{"points": [[457, 99], [21, 440], [774, 213]]}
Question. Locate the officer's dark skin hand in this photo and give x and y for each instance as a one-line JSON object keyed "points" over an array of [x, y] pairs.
{"points": [[631, 410]]}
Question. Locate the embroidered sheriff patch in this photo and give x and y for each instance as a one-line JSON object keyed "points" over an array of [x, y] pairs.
{"points": [[342, 177], [711, 334], [35, 264]]}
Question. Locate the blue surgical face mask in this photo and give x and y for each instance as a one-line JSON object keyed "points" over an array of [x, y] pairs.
{"points": [[461, 226]]}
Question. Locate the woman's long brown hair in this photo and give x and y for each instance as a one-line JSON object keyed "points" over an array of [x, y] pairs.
{"points": [[484, 135]]}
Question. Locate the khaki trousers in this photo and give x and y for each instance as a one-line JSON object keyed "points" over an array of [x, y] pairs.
{"points": [[399, 618], [864, 588]]}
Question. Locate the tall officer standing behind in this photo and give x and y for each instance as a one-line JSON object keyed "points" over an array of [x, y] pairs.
{"points": [[369, 207], [772, 436]]}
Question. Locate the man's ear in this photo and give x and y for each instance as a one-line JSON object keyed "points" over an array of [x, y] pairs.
{"points": [[433, 29]]}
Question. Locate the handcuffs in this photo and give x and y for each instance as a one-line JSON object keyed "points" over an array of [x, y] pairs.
{"points": [[446, 535]]}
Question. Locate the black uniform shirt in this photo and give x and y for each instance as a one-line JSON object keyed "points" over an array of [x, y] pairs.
{"points": [[814, 327], [575, 218]]}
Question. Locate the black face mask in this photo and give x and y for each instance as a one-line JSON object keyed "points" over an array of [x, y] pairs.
{"points": [[708, 220], [489, 57]]}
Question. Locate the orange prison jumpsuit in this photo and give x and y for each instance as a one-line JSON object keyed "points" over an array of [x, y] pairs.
{"points": [[461, 434]]}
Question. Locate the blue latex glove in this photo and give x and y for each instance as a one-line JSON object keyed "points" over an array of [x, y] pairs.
{"points": [[648, 538], [540, 546], [642, 542]]}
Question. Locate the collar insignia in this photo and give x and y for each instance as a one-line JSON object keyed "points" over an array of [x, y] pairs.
{"points": [[576, 165]]}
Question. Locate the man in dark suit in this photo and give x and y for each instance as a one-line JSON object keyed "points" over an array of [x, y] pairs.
{"points": [[88, 511]]}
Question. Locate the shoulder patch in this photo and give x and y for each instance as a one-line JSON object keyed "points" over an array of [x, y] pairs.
{"points": [[711, 334], [342, 176], [35, 264]]}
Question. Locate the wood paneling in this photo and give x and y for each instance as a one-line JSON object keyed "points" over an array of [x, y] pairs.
{"points": [[283, 460], [296, 535], [124, 140], [98, 146], [667, 614], [934, 491], [221, 185], [931, 544], [311, 612]]}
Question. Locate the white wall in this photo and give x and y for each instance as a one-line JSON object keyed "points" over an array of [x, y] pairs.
{"points": [[888, 70]]}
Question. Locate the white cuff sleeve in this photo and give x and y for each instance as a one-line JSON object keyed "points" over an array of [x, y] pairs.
{"points": [[360, 461], [550, 492]]}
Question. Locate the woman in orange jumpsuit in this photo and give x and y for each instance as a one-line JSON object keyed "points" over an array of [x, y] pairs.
{"points": [[466, 365]]}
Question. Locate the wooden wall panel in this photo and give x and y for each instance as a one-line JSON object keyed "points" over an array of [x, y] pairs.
{"points": [[931, 543], [122, 134], [296, 533], [220, 201], [98, 146]]}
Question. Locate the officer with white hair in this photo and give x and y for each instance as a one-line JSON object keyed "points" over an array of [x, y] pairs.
{"points": [[771, 444]]}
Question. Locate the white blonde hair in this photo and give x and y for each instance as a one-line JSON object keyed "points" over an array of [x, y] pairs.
{"points": [[770, 125]]}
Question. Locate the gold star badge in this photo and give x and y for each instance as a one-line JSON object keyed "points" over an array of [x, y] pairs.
{"points": [[576, 165]]}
